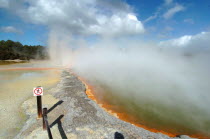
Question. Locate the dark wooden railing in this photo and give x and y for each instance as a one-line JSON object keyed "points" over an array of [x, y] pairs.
{"points": [[45, 123]]}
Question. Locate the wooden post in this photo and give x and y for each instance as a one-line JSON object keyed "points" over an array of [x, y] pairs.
{"points": [[43, 117], [45, 123], [48, 130], [39, 106]]}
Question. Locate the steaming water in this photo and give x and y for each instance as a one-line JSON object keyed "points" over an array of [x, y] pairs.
{"points": [[15, 87], [156, 116], [159, 88]]}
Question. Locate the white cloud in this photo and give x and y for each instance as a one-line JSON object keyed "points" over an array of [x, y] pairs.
{"points": [[167, 2], [182, 41], [4, 3], [82, 16], [10, 29], [117, 25], [163, 9], [189, 20], [172, 11], [198, 41], [151, 17]]}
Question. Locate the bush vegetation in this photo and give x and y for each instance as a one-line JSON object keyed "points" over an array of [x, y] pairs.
{"points": [[10, 50]]}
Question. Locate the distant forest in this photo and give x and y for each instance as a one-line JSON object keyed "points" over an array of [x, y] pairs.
{"points": [[10, 50]]}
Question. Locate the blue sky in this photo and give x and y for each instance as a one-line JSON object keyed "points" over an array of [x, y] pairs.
{"points": [[187, 17], [192, 20], [30, 34]]}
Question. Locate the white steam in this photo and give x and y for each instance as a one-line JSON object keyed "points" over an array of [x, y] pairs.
{"points": [[165, 75], [175, 78]]}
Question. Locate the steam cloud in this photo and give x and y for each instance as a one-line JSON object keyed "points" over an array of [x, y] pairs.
{"points": [[173, 80]]}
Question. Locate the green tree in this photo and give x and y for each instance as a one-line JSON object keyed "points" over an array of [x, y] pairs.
{"points": [[15, 50]]}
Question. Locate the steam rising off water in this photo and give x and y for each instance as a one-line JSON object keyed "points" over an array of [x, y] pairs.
{"points": [[161, 88]]}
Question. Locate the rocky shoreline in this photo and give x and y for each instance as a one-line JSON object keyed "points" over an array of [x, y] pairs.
{"points": [[71, 114]]}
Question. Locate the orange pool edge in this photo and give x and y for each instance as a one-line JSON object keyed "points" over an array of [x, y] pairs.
{"points": [[122, 116]]}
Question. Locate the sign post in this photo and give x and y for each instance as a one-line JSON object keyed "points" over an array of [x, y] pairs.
{"points": [[38, 92]]}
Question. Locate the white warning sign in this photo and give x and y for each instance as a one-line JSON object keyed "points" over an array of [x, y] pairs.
{"points": [[38, 91]]}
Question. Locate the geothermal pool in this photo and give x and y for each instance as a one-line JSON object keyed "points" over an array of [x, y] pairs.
{"points": [[16, 84], [162, 90], [183, 119]]}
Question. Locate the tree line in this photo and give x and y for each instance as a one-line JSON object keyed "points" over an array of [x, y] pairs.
{"points": [[10, 50]]}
